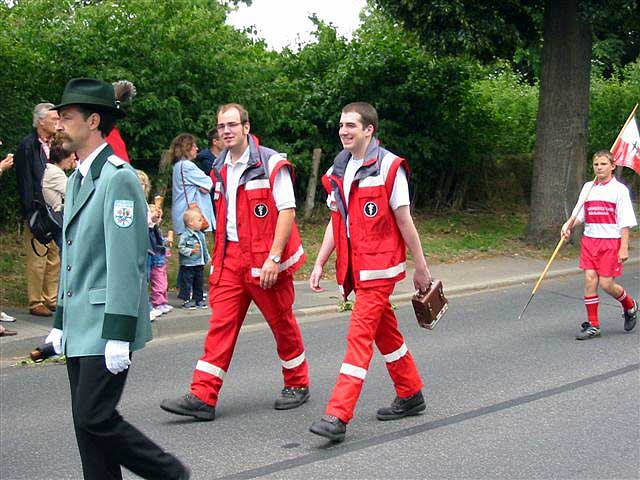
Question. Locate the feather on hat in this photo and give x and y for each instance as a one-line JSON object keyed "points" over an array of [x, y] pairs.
{"points": [[124, 91]]}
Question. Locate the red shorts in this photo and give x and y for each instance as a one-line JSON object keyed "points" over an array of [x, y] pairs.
{"points": [[601, 255]]}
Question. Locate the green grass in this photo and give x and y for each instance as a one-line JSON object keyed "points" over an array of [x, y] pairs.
{"points": [[446, 237], [13, 284]]}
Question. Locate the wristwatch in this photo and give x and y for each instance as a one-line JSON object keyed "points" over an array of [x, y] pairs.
{"points": [[274, 258]]}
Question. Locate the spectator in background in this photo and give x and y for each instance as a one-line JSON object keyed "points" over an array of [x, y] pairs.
{"points": [[206, 157], [193, 257], [190, 186], [158, 253], [54, 180], [145, 183], [124, 91], [6, 164], [30, 160]]}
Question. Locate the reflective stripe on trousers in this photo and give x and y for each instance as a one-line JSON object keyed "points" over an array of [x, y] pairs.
{"points": [[230, 300], [372, 320]]}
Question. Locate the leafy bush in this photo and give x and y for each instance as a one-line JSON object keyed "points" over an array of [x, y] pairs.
{"points": [[466, 129]]}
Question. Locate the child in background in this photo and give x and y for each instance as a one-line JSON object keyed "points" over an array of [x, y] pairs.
{"points": [[607, 215], [152, 219], [193, 257], [158, 254]]}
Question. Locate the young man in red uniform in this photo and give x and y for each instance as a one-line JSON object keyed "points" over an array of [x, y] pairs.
{"points": [[257, 249], [370, 228]]}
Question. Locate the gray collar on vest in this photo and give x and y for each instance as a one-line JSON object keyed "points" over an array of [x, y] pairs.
{"points": [[371, 166]]}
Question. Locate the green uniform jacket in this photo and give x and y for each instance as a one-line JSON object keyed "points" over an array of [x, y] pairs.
{"points": [[103, 280]]}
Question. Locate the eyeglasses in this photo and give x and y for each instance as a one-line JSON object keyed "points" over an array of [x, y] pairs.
{"points": [[229, 125]]}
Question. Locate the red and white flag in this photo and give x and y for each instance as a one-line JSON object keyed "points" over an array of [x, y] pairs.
{"points": [[626, 150]]}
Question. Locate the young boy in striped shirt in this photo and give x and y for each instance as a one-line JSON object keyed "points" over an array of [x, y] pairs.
{"points": [[607, 213]]}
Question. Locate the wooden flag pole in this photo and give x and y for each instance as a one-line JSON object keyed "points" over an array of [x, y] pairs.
{"points": [[573, 219]]}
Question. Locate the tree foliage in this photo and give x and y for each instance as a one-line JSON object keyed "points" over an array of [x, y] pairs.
{"points": [[570, 35], [465, 123]]}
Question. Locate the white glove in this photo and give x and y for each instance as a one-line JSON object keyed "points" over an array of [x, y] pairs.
{"points": [[116, 356], [55, 339]]}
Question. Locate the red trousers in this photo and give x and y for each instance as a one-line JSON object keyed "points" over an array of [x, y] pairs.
{"points": [[372, 320], [229, 301]]}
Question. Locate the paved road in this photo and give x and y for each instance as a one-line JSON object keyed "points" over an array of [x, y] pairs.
{"points": [[506, 399]]}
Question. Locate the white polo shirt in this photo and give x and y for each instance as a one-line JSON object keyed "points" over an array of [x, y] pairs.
{"points": [[606, 210], [399, 194], [282, 189]]}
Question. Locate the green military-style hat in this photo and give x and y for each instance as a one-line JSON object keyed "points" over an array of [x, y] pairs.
{"points": [[90, 91]]}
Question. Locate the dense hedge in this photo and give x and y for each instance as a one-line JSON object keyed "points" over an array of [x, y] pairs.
{"points": [[466, 129]]}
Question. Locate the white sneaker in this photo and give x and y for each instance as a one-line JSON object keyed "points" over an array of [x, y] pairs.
{"points": [[154, 313], [165, 308], [6, 318]]}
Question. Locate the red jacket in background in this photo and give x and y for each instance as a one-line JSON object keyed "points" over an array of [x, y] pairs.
{"points": [[114, 139]]}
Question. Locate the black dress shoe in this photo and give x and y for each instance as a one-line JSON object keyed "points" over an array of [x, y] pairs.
{"points": [[190, 406], [403, 407], [329, 427], [291, 397]]}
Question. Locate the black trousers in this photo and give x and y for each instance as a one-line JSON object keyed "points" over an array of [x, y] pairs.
{"points": [[190, 280], [106, 440]]}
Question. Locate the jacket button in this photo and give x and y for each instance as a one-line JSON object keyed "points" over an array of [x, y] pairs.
{"points": [[69, 242], [69, 293], [68, 268]]}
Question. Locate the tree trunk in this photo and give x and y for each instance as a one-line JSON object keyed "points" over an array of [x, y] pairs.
{"points": [[563, 111], [313, 182]]}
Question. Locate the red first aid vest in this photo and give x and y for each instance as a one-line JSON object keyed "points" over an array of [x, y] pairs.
{"points": [[375, 253], [256, 214]]}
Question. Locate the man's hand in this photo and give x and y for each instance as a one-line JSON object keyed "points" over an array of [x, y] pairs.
{"points": [[269, 274], [116, 356], [421, 279], [314, 279], [55, 339]]}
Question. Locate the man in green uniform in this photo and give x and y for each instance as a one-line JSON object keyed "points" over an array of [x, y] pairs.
{"points": [[102, 313]]}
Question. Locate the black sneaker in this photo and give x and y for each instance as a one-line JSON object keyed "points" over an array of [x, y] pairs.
{"points": [[189, 305], [403, 407], [202, 304], [329, 427], [588, 331], [190, 406], [630, 317], [291, 397]]}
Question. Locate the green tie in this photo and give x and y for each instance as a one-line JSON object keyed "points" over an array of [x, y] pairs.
{"points": [[76, 186]]}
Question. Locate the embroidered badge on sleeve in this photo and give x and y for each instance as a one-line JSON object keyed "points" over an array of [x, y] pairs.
{"points": [[123, 213]]}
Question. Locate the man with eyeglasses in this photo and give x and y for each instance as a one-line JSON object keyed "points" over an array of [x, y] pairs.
{"points": [[257, 250]]}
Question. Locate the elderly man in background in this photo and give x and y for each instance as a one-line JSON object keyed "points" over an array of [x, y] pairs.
{"points": [[30, 160]]}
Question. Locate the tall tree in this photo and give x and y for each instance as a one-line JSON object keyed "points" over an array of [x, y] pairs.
{"points": [[568, 31]]}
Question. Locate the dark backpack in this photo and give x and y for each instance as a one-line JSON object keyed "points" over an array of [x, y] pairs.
{"points": [[45, 224]]}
